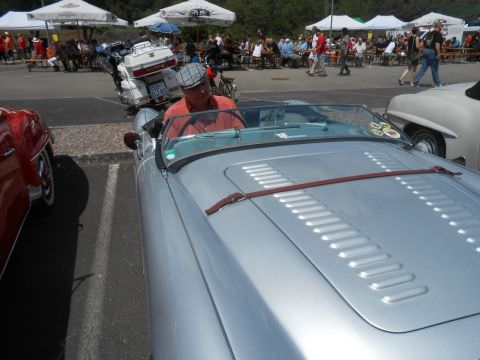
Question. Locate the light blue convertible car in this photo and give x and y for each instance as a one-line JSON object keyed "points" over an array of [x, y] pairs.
{"points": [[304, 232]]}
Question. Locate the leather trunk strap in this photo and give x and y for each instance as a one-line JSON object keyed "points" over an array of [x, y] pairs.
{"points": [[236, 197]]}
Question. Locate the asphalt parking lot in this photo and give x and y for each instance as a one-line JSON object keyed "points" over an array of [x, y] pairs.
{"points": [[74, 288]]}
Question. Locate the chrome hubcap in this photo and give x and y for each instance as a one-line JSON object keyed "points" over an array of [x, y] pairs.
{"points": [[427, 145], [45, 176]]}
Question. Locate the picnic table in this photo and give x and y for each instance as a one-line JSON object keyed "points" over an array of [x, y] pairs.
{"points": [[36, 64]]}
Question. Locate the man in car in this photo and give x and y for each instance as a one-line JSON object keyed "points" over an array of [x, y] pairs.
{"points": [[194, 83]]}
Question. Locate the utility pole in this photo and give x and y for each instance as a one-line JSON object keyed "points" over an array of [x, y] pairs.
{"points": [[46, 24], [331, 21]]}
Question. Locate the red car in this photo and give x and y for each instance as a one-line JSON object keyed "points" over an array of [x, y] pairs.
{"points": [[26, 172]]}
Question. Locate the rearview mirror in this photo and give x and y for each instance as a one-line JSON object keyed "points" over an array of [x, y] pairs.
{"points": [[131, 139]]}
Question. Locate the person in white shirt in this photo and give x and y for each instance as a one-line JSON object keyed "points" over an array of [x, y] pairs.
{"points": [[312, 56], [257, 54], [359, 48], [257, 50], [219, 40], [389, 52]]}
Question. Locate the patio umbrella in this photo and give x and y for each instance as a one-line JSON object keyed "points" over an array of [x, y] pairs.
{"points": [[149, 20], [197, 12], [75, 11], [194, 12], [72, 10], [165, 28]]}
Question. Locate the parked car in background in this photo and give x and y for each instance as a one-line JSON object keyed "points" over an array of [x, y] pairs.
{"points": [[304, 232], [443, 121], [26, 172]]}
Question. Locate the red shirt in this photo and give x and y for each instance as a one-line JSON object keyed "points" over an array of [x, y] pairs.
{"points": [[40, 49], [9, 42], [222, 121], [21, 43], [321, 45]]}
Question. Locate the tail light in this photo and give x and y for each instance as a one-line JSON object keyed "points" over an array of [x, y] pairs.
{"points": [[154, 68]]}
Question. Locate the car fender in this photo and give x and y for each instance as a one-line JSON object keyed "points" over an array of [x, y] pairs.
{"points": [[31, 136], [183, 319], [410, 118]]}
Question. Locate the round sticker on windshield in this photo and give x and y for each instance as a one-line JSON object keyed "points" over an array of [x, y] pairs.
{"points": [[377, 132], [375, 125], [170, 154], [391, 133], [385, 125]]}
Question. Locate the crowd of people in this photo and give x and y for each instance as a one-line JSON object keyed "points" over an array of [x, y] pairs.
{"points": [[72, 54], [312, 51], [299, 51]]}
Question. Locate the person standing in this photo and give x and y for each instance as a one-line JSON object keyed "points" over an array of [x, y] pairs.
{"points": [[40, 50], [318, 64], [359, 49], [313, 56], [3, 54], [21, 46], [9, 47], [344, 41], [431, 55], [413, 56]]}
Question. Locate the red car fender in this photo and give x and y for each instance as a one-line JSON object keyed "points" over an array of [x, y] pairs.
{"points": [[31, 136]]}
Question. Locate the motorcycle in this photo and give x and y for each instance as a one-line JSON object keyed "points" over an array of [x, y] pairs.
{"points": [[224, 86], [143, 74]]}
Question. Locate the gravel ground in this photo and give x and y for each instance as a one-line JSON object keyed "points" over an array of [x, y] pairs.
{"points": [[89, 140]]}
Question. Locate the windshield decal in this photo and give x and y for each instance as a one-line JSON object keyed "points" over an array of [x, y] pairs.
{"points": [[391, 133], [170, 154]]}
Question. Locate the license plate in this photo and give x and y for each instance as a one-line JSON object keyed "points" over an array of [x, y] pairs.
{"points": [[158, 89]]}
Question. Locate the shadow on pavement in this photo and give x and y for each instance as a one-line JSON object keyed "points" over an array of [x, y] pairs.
{"points": [[38, 283]]}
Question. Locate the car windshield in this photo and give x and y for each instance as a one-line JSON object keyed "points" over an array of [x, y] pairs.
{"points": [[197, 134]]}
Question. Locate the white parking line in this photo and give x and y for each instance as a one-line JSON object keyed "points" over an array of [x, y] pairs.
{"points": [[93, 314], [109, 101]]}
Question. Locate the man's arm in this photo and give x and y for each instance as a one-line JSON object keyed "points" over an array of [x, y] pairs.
{"points": [[438, 44]]}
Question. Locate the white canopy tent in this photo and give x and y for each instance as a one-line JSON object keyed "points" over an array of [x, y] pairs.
{"points": [[18, 20], [384, 22], [149, 20], [195, 12], [72, 10], [466, 27], [430, 18], [339, 22]]}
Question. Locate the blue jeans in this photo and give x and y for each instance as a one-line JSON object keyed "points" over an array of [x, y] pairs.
{"points": [[429, 61]]}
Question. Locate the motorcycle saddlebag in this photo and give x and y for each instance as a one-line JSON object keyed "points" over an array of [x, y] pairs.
{"points": [[148, 60]]}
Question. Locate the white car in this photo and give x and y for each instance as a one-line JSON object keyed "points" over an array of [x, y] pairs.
{"points": [[443, 121]]}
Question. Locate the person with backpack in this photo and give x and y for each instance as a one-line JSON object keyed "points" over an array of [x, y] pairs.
{"points": [[413, 56], [432, 45]]}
